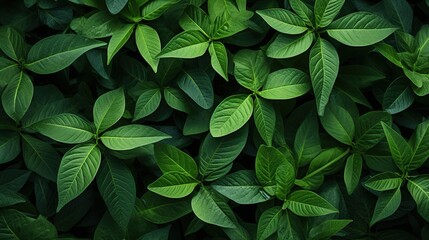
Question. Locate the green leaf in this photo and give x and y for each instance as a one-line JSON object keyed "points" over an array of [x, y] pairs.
{"points": [[303, 11], [8, 69], [118, 189], [360, 29], [154, 9], [400, 13], [324, 66], [9, 197], [338, 122], [197, 85], [251, 69], [131, 136], [327, 162], [268, 222], [307, 142], [389, 53], [265, 119], [399, 148], [369, 130], [283, 20], [158, 234], [177, 99], [40, 157], [241, 187], [419, 142], [418, 188], [39, 228], [9, 146], [211, 208], [188, 44], [398, 96], [290, 227], [160, 210], [285, 179], [231, 115], [195, 18], [16, 97], [174, 185], [77, 170], [118, 40], [268, 160], [99, 25], [285, 83], [326, 10], [171, 159], [11, 223], [387, 204], [108, 229], [147, 103], [56, 52], [308, 204], [328, 228], [115, 6], [285, 46], [228, 24], [148, 44], [108, 109], [65, 128], [216, 154], [352, 172], [219, 58], [12, 43], [384, 181]]}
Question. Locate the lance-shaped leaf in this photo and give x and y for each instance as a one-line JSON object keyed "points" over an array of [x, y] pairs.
{"points": [[174, 185], [285, 83], [197, 85], [160, 210], [264, 117], [132, 136], [398, 96], [419, 142], [9, 146], [268, 222], [399, 12], [303, 11], [147, 103], [108, 109], [324, 66], [118, 189], [399, 148], [171, 159], [285, 46], [231, 114], [195, 18], [188, 44], [77, 170], [338, 122], [369, 130], [352, 172], [115, 6], [285, 179], [290, 226], [360, 29], [387, 204], [307, 141], [308, 204], [148, 44], [118, 40], [216, 154], [219, 58], [326, 10], [16, 97], [65, 128], [211, 208], [268, 159], [328, 228], [40, 157], [57, 52], [155, 9], [241, 187], [419, 190], [283, 20], [251, 69], [12, 43], [384, 181]]}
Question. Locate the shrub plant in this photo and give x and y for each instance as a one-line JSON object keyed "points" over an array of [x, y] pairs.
{"points": [[214, 119]]}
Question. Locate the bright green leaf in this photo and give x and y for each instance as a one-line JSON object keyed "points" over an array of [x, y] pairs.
{"points": [[308, 204], [108, 109]]}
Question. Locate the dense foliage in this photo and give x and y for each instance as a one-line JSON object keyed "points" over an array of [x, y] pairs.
{"points": [[235, 119]]}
